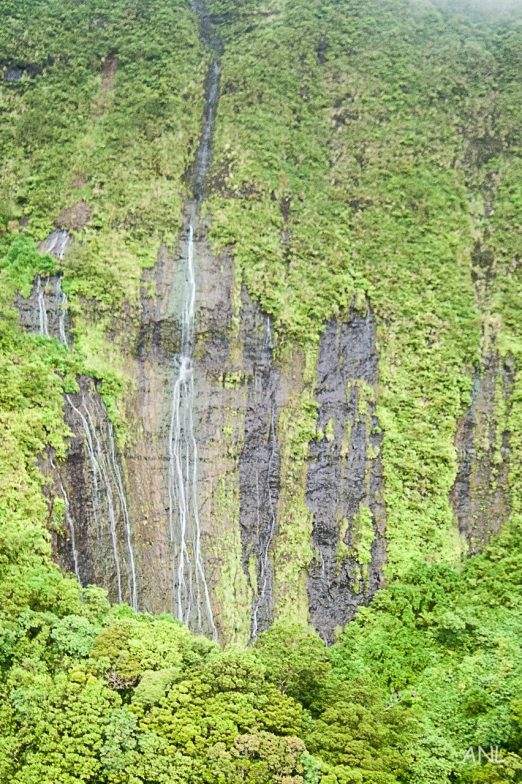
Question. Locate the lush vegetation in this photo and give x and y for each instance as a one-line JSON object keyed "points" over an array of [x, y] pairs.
{"points": [[395, 156], [95, 138], [392, 173], [95, 694]]}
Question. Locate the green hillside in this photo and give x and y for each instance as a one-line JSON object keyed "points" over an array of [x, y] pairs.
{"points": [[366, 169]]}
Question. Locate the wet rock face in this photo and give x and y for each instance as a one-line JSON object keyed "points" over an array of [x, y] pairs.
{"points": [[98, 545], [57, 243], [14, 74], [259, 464], [480, 494], [44, 312], [344, 487]]}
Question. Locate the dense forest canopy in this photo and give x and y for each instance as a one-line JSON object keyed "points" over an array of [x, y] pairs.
{"points": [[366, 163]]}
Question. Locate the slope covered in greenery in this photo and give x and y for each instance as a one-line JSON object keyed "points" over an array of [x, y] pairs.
{"points": [[432, 668], [394, 157], [364, 152]]}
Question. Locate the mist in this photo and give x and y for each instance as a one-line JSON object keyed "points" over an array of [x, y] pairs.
{"points": [[489, 7]]}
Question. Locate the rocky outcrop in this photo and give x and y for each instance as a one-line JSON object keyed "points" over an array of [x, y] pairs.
{"points": [[345, 486], [480, 495]]}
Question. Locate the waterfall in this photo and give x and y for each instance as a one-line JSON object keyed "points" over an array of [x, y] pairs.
{"points": [[70, 524], [204, 152], [265, 566], [42, 310], [44, 313], [190, 589], [99, 471], [191, 596], [61, 296], [125, 512], [56, 243]]}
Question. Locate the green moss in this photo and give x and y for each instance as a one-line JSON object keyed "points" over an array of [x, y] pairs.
{"points": [[107, 114], [363, 535], [357, 191], [292, 553], [233, 380], [329, 430], [232, 591]]}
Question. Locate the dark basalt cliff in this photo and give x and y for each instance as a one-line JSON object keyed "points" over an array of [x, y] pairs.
{"points": [[345, 484]]}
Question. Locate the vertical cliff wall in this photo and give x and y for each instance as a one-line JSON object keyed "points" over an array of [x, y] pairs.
{"points": [[285, 276], [345, 483]]}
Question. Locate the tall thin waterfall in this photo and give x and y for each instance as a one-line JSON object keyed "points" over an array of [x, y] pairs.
{"points": [[265, 566], [99, 472], [108, 494], [190, 589], [42, 310], [191, 596], [204, 152], [70, 523], [125, 512], [51, 320], [61, 296]]}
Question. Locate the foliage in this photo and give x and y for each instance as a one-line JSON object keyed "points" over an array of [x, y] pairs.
{"points": [[95, 137], [363, 150]]}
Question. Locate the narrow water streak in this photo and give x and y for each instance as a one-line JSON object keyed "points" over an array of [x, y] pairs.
{"points": [[56, 244], [61, 296], [190, 590], [125, 512], [70, 523], [204, 152], [265, 566], [99, 472], [43, 326]]}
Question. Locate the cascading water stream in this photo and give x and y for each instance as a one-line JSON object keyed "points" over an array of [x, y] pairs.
{"points": [[70, 523], [264, 571], [125, 512], [61, 296], [45, 313], [56, 244], [110, 498], [190, 589], [204, 153], [42, 310], [191, 596], [99, 470]]}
